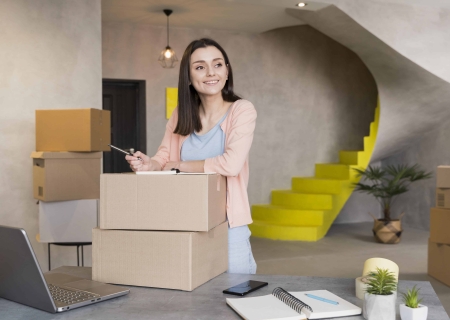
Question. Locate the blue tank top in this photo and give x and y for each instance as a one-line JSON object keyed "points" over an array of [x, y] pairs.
{"points": [[208, 145]]}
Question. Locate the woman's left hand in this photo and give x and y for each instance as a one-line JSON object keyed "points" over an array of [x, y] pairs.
{"points": [[172, 164]]}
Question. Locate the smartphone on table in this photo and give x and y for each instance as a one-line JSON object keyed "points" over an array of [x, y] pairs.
{"points": [[245, 287]]}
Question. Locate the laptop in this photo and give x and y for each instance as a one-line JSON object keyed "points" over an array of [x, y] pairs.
{"points": [[22, 281]]}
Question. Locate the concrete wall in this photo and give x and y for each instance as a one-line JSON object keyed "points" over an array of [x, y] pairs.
{"points": [[314, 97], [50, 57], [413, 100], [429, 152]]}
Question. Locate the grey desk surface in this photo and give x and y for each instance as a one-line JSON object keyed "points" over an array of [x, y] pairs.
{"points": [[205, 302]]}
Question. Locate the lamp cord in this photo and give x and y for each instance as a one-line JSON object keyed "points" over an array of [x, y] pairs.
{"points": [[167, 30]]}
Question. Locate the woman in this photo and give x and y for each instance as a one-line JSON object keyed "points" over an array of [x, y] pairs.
{"points": [[211, 131]]}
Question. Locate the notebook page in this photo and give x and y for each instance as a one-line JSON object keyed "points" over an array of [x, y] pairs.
{"points": [[263, 308], [156, 172], [327, 310]]}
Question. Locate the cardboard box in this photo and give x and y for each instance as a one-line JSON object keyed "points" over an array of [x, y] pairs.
{"points": [[443, 177], [185, 202], [439, 261], [67, 221], [440, 225], [73, 130], [162, 259], [61, 176], [443, 198]]}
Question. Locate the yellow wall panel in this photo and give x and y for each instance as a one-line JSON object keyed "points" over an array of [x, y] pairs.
{"points": [[171, 101]]}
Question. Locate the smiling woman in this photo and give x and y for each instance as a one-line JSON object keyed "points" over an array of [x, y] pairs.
{"points": [[211, 131]]}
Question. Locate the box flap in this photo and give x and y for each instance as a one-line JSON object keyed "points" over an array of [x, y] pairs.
{"points": [[65, 155]]}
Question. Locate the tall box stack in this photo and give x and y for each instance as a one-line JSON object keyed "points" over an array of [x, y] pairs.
{"points": [[439, 242], [66, 171], [161, 230]]}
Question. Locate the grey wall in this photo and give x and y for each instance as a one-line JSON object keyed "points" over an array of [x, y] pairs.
{"points": [[429, 152], [413, 100], [314, 97], [50, 57]]}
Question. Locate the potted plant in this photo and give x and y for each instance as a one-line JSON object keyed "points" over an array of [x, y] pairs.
{"points": [[380, 295], [385, 184], [411, 309]]}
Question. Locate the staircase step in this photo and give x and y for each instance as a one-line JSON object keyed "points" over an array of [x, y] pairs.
{"points": [[332, 171], [373, 129], [285, 216], [289, 233], [351, 157], [369, 143], [315, 185], [302, 201]]}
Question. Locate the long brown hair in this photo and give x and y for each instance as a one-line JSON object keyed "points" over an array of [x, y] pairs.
{"points": [[188, 98]]}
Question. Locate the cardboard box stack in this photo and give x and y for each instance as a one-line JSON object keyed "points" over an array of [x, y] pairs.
{"points": [[66, 171], [161, 230], [439, 242]]}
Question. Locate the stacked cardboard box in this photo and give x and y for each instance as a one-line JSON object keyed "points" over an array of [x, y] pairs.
{"points": [[439, 242], [161, 230], [66, 171]]}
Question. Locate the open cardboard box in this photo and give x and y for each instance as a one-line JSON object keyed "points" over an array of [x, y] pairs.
{"points": [[162, 259], [185, 202]]}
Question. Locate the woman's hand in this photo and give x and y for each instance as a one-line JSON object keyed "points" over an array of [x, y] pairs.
{"points": [[145, 164]]}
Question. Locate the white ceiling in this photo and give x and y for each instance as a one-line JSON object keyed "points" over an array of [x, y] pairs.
{"points": [[252, 16]]}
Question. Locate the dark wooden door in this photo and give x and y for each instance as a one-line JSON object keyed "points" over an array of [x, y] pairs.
{"points": [[123, 99]]}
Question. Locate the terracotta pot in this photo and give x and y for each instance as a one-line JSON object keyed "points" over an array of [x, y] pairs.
{"points": [[387, 231]]}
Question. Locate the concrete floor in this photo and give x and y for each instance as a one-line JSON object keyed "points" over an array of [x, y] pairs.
{"points": [[342, 254]]}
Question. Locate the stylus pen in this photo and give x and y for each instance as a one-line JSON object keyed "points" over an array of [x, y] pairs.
{"points": [[321, 299]]}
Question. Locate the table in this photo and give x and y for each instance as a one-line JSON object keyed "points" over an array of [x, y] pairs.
{"points": [[205, 302], [69, 244]]}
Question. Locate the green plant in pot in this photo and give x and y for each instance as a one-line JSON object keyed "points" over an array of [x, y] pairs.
{"points": [[380, 295], [411, 309], [385, 184]]}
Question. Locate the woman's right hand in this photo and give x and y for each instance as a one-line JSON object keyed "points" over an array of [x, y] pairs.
{"points": [[145, 164]]}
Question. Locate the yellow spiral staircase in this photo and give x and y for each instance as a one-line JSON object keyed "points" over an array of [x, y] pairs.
{"points": [[306, 212]]}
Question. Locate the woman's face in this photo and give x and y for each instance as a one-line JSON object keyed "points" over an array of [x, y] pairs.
{"points": [[209, 72]]}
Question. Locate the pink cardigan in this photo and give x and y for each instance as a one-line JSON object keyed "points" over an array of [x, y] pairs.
{"points": [[238, 126]]}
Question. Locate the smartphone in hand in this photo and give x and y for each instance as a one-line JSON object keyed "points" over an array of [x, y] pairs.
{"points": [[245, 287]]}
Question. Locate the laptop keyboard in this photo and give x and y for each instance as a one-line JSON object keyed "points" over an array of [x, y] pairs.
{"points": [[70, 296]]}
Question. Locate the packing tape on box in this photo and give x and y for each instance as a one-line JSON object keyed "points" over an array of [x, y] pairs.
{"points": [[360, 287], [373, 263]]}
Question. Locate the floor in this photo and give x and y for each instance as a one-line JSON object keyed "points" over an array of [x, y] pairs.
{"points": [[342, 254]]}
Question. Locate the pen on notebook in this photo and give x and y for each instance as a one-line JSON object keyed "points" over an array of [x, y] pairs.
{"points": [[321, 299]]}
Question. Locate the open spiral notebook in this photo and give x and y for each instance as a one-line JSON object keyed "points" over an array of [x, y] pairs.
{"points": [[292, 306]]}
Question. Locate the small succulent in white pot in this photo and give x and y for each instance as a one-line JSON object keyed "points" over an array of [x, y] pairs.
{"points": [[411, 309], [380, 296]]}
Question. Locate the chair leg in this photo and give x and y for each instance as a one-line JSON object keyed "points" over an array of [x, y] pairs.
{"points": [[78, 256], [49, 259], [82, 256]]}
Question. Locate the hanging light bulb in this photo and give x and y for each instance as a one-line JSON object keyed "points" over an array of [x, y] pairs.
{"points": [[167, 58]]}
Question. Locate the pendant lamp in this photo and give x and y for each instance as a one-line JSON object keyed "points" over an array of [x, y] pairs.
{"points": [[167, 58]]}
